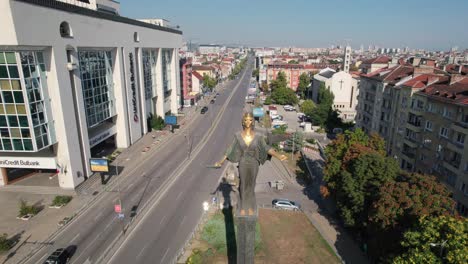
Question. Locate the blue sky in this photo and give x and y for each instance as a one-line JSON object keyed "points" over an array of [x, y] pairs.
{"points": [[429, 24]]}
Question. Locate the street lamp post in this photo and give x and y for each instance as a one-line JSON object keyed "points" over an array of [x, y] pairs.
{"points": [[441, 246]]}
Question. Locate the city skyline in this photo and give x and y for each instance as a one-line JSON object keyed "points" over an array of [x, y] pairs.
{"points": [[418, 24]]}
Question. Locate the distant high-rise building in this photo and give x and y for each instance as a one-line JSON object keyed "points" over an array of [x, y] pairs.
{"points": [[347, 59]]}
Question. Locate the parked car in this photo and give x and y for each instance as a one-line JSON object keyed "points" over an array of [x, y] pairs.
{"points": [[289, 108], [204, 109], [278, 122], [286, 204], [59, 256], [276, 117], [300, 115]]}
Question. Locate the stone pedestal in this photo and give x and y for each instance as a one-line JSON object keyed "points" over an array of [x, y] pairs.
{"points": [[246, 238]]}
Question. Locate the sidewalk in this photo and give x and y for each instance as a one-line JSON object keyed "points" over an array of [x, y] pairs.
{"points": [[33, 234]]}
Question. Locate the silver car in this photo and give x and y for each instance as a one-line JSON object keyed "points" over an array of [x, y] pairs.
{"points": [[286, 204]]}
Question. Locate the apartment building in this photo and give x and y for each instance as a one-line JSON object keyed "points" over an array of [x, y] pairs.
{"points": [[422, 113], [292, 72], [82, 77]]}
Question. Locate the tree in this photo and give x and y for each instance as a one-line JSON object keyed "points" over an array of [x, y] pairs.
{"points": [[440, 239], [294, 143], [336, 151], [398, 206], [284, 96], [359, 184], [265, 88], [307, 107], [255, 73], [279, 82], [304, 82], [293, 62], [208, 82], [402, 202], [268, 101], [324, 106]]}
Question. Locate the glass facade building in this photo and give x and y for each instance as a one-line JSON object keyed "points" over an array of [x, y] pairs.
{"points": [[24, 123], [166, 71], [149, 72], [97, 85]]}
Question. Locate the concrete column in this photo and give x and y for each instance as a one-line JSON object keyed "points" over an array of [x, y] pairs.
{"points": [[175, 82], [245, 239], [3, 177], [159, 87]]}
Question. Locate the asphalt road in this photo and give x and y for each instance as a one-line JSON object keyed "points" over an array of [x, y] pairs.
{"points": [[166, 190], [169, 223]]}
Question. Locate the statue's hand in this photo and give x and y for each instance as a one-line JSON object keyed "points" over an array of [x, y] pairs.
{"points": [[282, 157]]}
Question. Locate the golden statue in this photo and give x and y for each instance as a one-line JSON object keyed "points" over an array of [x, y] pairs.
{"points": [[250, 150]]}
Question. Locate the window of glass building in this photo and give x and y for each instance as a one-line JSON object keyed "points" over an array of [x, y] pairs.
{"points": [[22, 86], [149, 72], [166, 71], [98, 85]]}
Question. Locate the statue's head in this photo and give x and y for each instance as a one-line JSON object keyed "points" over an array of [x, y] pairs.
{"points": [[248, 120]]}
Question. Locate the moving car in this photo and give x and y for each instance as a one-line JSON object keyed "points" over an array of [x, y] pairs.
{"points": [[203, 110], [59, 256], [286, 204]]}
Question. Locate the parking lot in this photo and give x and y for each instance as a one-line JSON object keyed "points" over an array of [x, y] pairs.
{"points": [[290, 117]]}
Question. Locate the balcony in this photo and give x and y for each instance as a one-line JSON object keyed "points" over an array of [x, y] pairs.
{"points": [[451, 165], [408, 156], [414, 127], [416, 110], [455, 146], [460, 127], [411, 142]]}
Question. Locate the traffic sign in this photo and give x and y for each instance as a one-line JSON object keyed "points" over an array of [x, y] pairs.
{"points": [[118, 208], [121, 216]]}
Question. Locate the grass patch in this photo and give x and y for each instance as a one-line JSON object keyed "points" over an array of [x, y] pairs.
{"points": [[5, 243], [26, 209], [281, 237], [61, 200]]}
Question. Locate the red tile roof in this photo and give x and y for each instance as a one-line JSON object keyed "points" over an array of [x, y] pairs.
{"points": [[455, 92], [197, 75], [378, 60]]}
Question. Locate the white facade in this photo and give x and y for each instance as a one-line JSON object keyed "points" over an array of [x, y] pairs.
{"points": [[93, 77], [207, 49], [344, 88]]}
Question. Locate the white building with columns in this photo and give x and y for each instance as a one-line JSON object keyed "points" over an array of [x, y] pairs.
{"points": [[74, 74]]}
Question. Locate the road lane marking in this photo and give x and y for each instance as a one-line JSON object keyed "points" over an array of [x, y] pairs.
{"points": [[74, 238], [130, 186], [178, 196], [97, 216], [182, 222], [141, 251], [110, 223], [167, 250], [162, 220], [45, 256]]}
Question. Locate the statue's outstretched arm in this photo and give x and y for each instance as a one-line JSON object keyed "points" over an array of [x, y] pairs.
{"points": [[220, 163], [275, 154]]}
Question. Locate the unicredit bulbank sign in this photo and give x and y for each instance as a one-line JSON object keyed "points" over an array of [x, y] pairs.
{"points": [[28, 163]]}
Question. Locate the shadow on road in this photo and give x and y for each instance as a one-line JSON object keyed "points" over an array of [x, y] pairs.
{"points": [[225, 188], [113, 171], [134, 209]]}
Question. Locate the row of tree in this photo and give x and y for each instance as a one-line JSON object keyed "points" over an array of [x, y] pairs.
{"points": [[401, 217], [238, 68]]}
